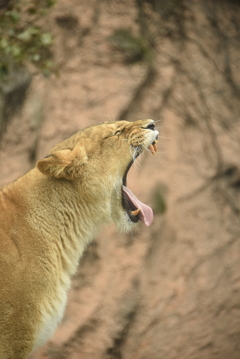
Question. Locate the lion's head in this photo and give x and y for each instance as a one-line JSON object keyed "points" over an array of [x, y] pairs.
{"points": [[97, 159]]}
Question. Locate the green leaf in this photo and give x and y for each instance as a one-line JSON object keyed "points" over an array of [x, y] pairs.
{"points": [[34, 30], [16, 50], [49, 64], [21, 40], [50, 3], [36, 57], [46, 39], [25, 35], [4, 43], [13, 15], [43, 12]]}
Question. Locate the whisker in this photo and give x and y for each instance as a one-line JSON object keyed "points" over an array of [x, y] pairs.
{"points": [[156, 153], [131, 153], [95, 121], [164, 137], [146, 148], [111, 118], [135, 162]]}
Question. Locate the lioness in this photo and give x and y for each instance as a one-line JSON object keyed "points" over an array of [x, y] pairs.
{"points": [[49, 215]]}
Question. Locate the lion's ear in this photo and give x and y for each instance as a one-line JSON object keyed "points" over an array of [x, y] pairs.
{"points": [[63, 163]]}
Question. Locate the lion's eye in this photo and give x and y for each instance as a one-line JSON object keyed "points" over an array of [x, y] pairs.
{"points": [[117, 132]]}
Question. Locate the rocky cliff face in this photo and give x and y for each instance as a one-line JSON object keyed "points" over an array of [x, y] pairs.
{"points": [[171, 290]]}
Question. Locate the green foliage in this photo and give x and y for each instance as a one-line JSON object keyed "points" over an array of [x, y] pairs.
{"points": [[22, 39], [133, 48], [159, 199]]}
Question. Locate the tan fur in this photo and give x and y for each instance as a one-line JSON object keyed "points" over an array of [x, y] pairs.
{"points": [[48, 216]]}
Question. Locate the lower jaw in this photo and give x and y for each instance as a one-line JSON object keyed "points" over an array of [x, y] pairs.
{"points": [[132, 218], [128, 210]]}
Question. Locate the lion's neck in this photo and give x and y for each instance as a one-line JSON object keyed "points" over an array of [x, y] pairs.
{"points": [[65, 219]]}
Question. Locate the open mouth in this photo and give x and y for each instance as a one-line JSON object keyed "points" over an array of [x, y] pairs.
{"points": [[135, 209]]}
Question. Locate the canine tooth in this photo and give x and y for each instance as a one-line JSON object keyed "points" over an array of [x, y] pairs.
{"points": [[151, 148], [135, 213], [155, 147]]}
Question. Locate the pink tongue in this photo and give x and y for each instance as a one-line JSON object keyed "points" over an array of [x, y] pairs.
{"points": [[146, 214]]}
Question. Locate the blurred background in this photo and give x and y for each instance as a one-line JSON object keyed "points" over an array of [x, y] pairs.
{"points": [[171, 290]]}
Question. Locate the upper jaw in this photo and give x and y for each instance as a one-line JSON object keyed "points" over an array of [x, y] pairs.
{"points": [[129, 201], [149, 142]]}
